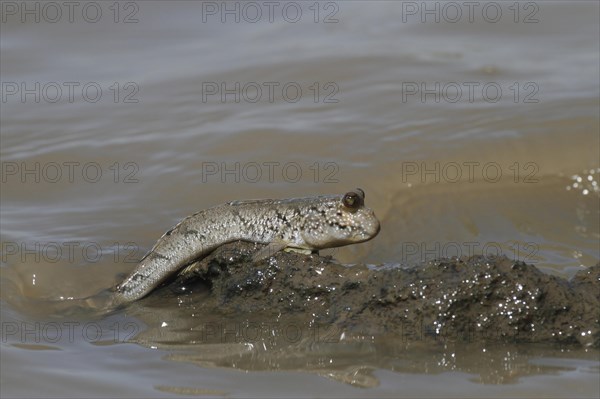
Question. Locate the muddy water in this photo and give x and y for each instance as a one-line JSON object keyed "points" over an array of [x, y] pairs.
{"points": [[473, 133]]}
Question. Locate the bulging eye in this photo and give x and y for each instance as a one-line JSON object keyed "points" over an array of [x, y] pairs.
{"points": [[352, 200]]}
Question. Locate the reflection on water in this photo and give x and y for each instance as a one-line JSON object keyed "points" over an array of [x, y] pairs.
{"points": [[386, 105], [178, 326], [258, 343]]}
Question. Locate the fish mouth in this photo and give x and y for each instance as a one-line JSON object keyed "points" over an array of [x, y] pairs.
{"points": [[367, 234], [373, 227], [377, 228]]}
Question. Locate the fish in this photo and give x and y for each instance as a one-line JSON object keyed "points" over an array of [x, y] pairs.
{"points": [[306, 224]]}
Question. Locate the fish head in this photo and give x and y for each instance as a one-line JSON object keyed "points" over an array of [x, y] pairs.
{"points": [[339, 220]]}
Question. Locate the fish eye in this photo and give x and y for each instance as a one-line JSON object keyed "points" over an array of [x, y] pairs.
{"points": [[352, 200]]}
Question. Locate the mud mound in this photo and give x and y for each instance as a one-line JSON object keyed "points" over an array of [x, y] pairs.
{"points": [[472, 299]]}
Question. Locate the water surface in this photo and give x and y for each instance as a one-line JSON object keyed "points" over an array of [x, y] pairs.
{"points": [[468, 138]]}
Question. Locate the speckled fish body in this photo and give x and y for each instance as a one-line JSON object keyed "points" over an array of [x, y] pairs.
{"points": [[310, 223]]}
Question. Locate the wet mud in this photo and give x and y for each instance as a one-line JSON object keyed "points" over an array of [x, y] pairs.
{"points": [[476, 299]]}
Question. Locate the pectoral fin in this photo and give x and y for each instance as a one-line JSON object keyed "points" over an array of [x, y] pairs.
{"points": [[301, 251], [276, 246], [189, 269], [268, 250]]}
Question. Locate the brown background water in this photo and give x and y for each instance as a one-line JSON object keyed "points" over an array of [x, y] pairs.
{"points": [[513, 171]]}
